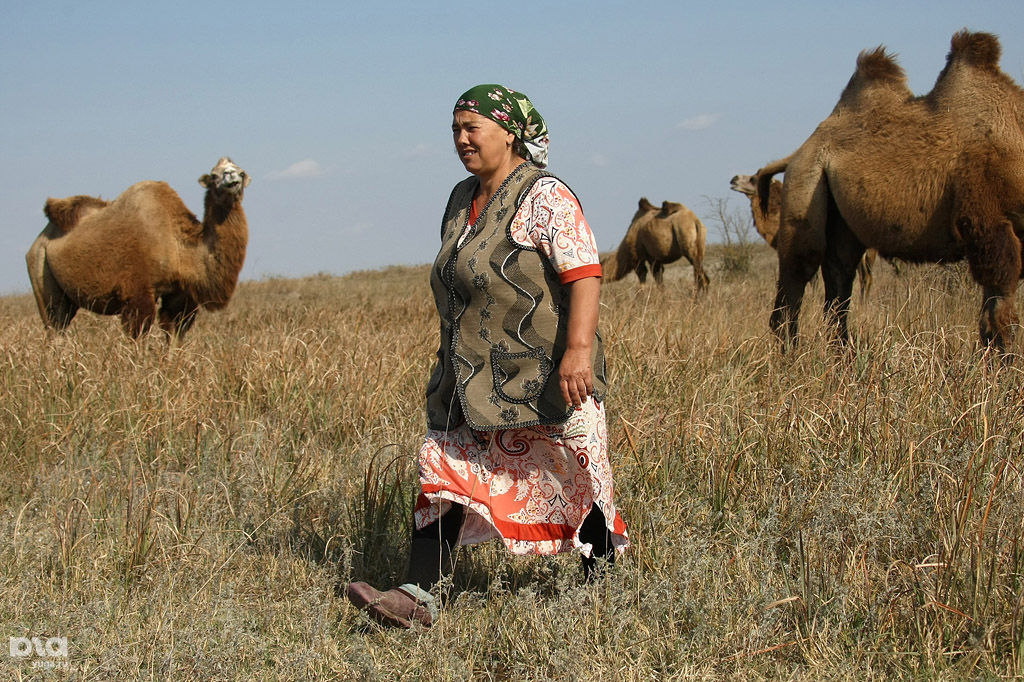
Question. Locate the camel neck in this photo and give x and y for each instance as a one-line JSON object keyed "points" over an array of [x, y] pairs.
{"points": [[226, 232], [217, 213]]}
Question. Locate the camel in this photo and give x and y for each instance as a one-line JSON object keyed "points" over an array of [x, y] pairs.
{"points": [[766, 220], [660, 236], [936, 178], [145, 247]]}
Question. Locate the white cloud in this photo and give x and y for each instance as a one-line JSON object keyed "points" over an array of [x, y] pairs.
{"points": [[699, 122], [307, 168], [600, 160]]}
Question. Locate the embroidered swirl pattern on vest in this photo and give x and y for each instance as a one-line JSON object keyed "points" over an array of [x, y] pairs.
{"points": [[501, 370]]}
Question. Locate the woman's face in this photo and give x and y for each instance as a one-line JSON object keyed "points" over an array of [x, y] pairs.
{"points": [[483, 146]]}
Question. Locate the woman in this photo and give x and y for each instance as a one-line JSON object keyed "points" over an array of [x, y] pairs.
{"points": [[516, 445]]}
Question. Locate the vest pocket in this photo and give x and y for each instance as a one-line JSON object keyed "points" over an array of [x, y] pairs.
{"points": [[520, 377]]}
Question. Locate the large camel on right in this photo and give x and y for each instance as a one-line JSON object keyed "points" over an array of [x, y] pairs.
{"points": [[141, 251], [766, 219], [659, 236], [935, 178]]}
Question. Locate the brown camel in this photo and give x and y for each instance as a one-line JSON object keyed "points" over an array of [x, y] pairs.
{"points": [[925, 179], [767, 220], [660, 236], [123, 257]]}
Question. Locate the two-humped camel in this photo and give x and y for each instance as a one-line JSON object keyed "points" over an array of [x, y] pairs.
{"points": [[766, 220], [659, 236], [935, 178], [145, 247]]}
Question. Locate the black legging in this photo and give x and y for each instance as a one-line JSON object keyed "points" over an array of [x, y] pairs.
{"points": [[593, 531], [446, 528]]}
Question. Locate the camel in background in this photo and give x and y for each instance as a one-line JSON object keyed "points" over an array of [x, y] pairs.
{"points": [[145, 247], [661, 236]]}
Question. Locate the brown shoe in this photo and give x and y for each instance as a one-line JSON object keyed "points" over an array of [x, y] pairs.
{"points": [[399, 607]]}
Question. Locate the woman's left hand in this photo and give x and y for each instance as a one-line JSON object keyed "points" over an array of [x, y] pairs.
{"points": [[575, 374], [576, 377]]}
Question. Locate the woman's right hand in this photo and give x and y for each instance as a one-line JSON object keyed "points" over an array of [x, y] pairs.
{"points": [[575, 376]]}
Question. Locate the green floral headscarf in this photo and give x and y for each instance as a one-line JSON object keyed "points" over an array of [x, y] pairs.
{"points": [[514, 112]]}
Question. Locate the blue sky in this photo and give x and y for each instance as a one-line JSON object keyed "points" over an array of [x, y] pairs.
{"points": [[341, 111]]}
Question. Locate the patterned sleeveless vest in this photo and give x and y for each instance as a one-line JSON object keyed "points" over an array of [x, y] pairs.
{"points": [[504, 316]]}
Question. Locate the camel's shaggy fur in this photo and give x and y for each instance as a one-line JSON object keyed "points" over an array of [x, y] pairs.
{"points": [[766, 216], [142, 249], [65, 213], [660, 236], [927, 179]]}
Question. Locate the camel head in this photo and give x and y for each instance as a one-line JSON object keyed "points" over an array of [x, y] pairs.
{"points": [[226, 180], [744, 184]]}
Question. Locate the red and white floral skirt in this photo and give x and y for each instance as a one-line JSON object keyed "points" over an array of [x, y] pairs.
{"points": [[531, 487]]}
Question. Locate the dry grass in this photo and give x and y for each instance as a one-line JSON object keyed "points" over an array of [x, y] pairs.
{"points": [[192, 513]]}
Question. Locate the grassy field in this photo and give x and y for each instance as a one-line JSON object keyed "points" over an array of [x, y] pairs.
{"points": [[193, 513]]}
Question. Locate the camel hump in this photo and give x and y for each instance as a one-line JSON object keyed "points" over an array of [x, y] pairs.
{"points": [[159, 196], [878, 81], [670, 207], [65, 213], [645, 205], [978, 49], [879, 65]]}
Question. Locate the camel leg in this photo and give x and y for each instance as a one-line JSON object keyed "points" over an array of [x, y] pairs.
{"points": [[867, 262], [641, 271], [800, 243], [60, 309], [658, 270], [177, 313], [789, 296], [797, 267], [998, 317], [700, 277], [55, 307], [843, 258], [138, 314], [994, 255]]}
